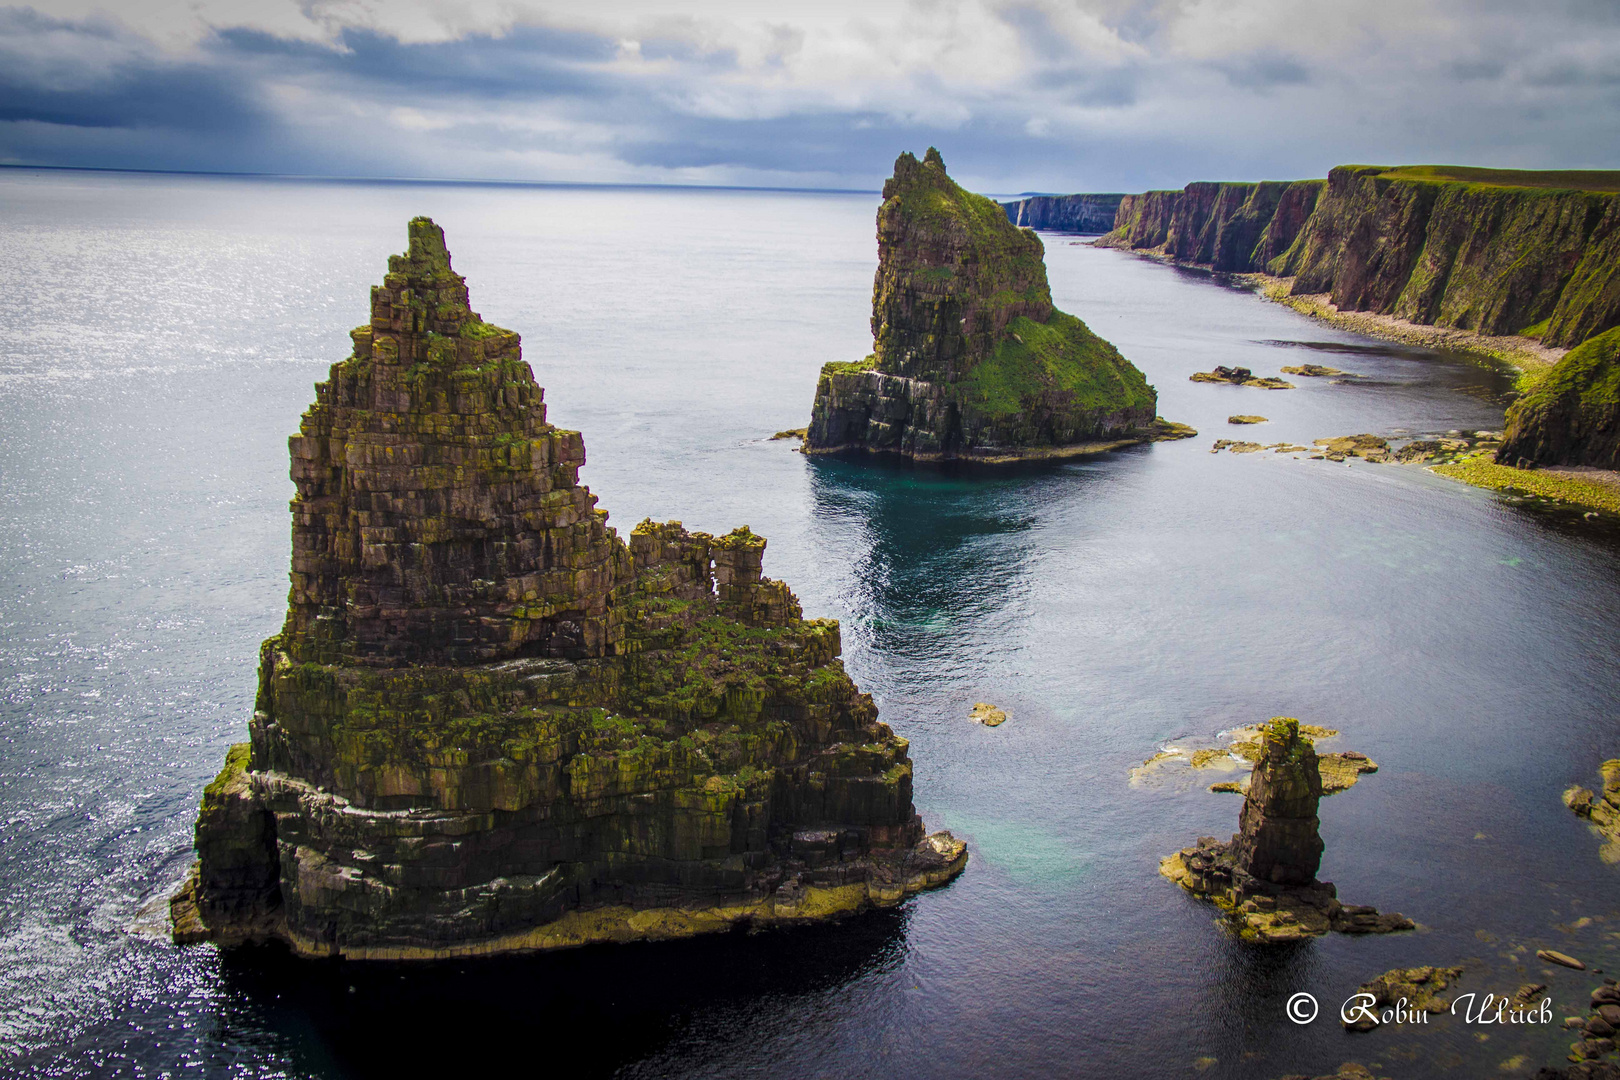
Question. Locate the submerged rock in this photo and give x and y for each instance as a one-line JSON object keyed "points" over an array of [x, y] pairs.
{"points": [[1265, 877], [1240, 748], [1415, 989], [1350, 1070], [489, 724], [970, 358], [987, 714], [1367, 447], [1245, 418], [1314, 371]]}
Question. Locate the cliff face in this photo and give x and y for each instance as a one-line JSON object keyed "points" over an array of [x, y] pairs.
{"points": [[1230, 227], [1065, 213], [970, 359], [1474, 249], [490, 724], [1572, 416]]}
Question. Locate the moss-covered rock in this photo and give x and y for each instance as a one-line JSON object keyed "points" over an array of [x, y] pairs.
{"points": [[971, 360], [489, 723], [1572, 414]]}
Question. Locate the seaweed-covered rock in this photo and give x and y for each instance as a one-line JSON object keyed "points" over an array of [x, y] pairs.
{"points": [[1602, 809], [490, 724], [971, 360]]}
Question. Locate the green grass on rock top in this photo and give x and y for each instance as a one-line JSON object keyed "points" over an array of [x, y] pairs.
{"points": [[1059, 354]]}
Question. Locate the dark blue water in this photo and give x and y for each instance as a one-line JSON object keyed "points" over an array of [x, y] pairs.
{"points": [[159, 338]]}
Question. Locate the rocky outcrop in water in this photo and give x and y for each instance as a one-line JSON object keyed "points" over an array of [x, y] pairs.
{"points": [[1571, 416], [1477, 249], [1265, 877], [971, 360], [490, 724], [1065, 213], [1602, 809]]}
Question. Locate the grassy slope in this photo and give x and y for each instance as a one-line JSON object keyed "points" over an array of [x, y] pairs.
{"points": [[1059, 354], [1590, 373]]}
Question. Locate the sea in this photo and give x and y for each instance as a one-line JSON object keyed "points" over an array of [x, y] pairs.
{"points": [[160, 336]]}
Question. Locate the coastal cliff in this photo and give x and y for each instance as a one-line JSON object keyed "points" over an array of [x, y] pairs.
{"points": [[1065, 213], [1514, 257], [1490, 251], [489, 724], [971, 360], [1229, 227]]}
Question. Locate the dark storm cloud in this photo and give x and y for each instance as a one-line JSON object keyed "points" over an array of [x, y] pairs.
{"points": [[526, 63], [117, 84]]}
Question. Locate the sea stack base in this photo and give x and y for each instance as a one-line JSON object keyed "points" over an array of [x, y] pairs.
{"points": [[1269, 913]]}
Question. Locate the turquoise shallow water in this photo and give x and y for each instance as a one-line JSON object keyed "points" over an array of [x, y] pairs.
{"points": [[160, 338]]}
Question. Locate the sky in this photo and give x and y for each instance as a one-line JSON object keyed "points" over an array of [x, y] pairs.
{"points": [[1032, 95]]}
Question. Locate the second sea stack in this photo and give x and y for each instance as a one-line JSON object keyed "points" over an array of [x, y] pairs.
{"points": [[489, 724], [971, 360]]}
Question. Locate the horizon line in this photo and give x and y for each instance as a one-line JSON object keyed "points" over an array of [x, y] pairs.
{"points": [[444, 181]]}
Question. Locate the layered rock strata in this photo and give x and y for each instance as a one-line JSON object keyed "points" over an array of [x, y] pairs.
{"points": [[490, 724], [1265, 877], [971, 360], [1477, 249]]}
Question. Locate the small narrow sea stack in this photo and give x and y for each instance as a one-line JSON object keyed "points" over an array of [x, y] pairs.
{"points": [[488, 724], [1266, 876], [971, 360]]}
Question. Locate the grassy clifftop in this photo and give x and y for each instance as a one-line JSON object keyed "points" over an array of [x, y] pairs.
{"points": [[1059, 356], [1604, 180]]}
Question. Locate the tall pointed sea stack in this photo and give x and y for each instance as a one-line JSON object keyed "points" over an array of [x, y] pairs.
{"points": [[971, 359], [488, 724]]}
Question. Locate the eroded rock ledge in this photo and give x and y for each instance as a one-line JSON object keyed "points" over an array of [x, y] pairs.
{"points": [[489, 724], [1265, 877]]}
